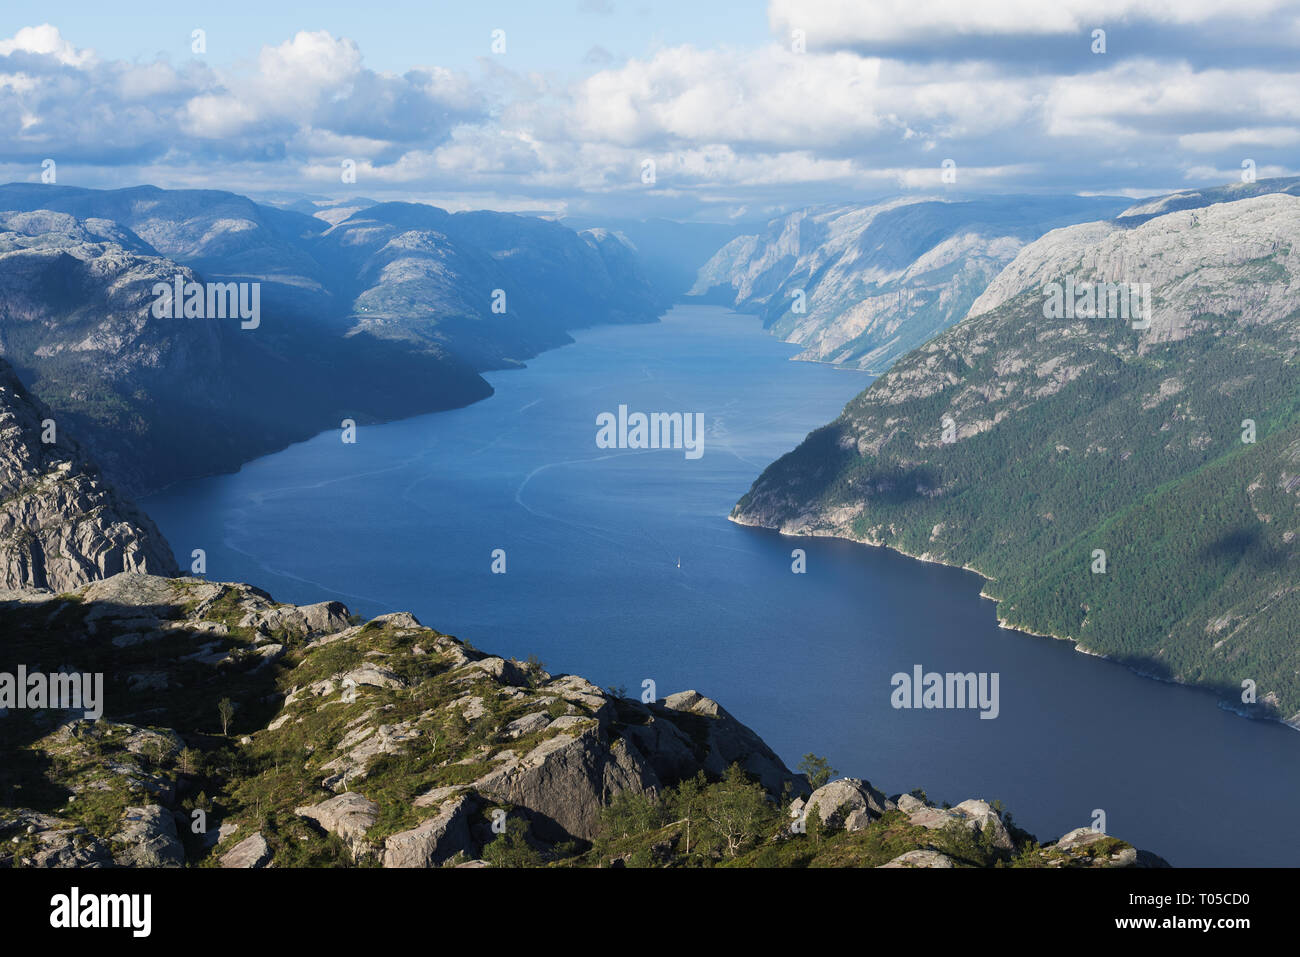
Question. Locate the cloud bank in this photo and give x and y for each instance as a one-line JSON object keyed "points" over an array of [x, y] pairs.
{"points": [[847, 100]]}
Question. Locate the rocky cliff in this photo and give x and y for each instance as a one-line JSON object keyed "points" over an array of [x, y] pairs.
{"points": [[61, 524]]}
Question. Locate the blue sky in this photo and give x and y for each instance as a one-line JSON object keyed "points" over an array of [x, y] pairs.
{"points": [[398, 34], [682, 109]]}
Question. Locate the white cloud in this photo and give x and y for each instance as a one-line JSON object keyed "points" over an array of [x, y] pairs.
{"points": [[1144, 97], [726, 127], [774, 97], [846, 22], [46, 40], [1220, 140]]}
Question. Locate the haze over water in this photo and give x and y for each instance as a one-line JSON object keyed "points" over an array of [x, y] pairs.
{"points": [[408, 517]]}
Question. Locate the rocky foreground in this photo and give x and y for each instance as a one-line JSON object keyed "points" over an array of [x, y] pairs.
{"points": [[239, 732]]}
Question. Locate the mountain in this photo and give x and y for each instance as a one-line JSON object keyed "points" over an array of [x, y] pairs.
{"points": [[220, 235], [1131, 489], [384, 315], [61, 524], [1200, 198], [161, 399], [493, 288], [877, 281], [388, 743]]}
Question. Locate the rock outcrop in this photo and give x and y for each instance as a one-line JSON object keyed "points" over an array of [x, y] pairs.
{"points": [[348, 816], [249, 853], [435, 840], [850, 803], [148, 839], [61, 523]]}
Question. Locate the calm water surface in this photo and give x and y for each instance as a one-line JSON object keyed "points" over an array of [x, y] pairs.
{"points": [[408, 518]]}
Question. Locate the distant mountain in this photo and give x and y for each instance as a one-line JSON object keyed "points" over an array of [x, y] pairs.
{"points": [[160, 399], [331, 211], [1025, 442], [861, 285], [492, 287], [386, 314], [219, 235], [1200, 198], [61, 524]]}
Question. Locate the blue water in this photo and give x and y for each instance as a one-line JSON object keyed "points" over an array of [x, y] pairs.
{"points": [[408, 517]]}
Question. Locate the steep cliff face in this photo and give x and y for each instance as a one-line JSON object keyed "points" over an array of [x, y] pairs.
{"points": [[1131, 488], [388, 743], [861, 285], [61, 524]]}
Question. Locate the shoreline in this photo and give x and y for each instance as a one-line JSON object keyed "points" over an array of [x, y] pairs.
{"points": [[1223, 704]]}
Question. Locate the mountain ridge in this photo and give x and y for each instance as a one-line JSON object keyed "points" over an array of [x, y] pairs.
{"points": [[862, 285]]}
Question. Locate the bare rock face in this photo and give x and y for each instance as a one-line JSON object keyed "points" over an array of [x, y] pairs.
{"points": [[978, 814], [60, 843], [862, 285], [563, 782], [726, 741], [973, 813], [249, 853], [850, 803], [349, 816], [61, 524], [148, 839], [310, 621], [434, 840], [1194, 258], [921, 858], [71, 848]]}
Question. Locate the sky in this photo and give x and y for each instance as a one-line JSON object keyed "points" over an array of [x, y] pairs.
{"points": [[717, 111]]}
